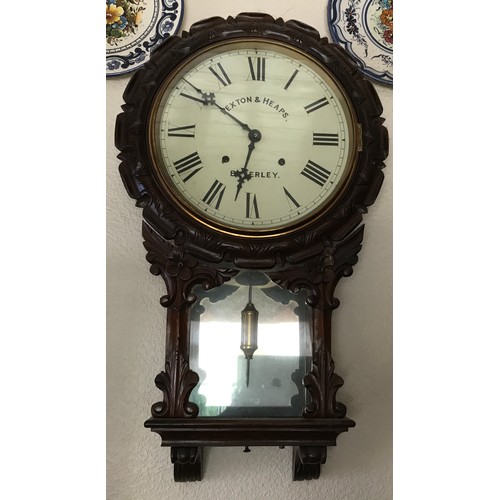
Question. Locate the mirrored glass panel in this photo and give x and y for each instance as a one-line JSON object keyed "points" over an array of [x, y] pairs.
{"points": [[250, 345]]}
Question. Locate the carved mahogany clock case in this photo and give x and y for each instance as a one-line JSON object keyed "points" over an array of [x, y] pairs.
{"points": [[253, 148]]}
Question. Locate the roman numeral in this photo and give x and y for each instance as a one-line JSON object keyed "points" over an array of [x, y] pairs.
{"points": [[220, 74], [325, 139], [215, 194], [258, 72], [187, 166], [252, 210], [291, 199], [291, 79], [187, 131], [316, 105], [316, 173]]}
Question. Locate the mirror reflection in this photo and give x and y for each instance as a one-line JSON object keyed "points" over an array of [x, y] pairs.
{"points": [[250, 345]]}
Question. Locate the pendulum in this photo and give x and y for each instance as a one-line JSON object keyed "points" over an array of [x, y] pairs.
{"points": [[249, 327]]}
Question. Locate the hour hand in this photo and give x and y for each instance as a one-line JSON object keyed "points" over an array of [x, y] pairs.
{"points": [[243, 174]]}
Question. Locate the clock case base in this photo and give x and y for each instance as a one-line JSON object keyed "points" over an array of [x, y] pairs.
{"points": [[309, 438], [175, 418]]}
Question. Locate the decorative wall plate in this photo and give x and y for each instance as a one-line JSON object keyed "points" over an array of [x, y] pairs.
{"points": [[134, 28], [364, 29]]}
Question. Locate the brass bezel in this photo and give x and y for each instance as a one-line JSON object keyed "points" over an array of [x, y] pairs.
{"points": [[353, 126]]}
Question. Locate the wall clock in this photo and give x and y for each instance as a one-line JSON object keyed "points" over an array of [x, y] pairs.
{"points": [[253, 147]]}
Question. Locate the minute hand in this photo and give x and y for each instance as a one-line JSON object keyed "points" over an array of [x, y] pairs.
{"points": [[209, 98], [244, 126]]}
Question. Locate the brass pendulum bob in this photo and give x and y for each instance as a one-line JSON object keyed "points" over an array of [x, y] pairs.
{"points": [[249, 326]]}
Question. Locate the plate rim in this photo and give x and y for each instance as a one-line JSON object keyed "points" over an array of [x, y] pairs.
{"points": [[133, 67], [385, 77]]}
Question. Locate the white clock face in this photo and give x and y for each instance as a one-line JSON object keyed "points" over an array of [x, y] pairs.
{"points": [[253, 138]]}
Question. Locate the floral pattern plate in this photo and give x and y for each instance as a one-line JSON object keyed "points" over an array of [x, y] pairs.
{"points": [[364, 29], [134, 28]]}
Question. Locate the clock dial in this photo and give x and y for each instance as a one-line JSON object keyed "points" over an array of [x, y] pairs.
{"points": [[253, 137]]}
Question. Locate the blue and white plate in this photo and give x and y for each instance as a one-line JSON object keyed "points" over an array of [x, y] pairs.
{"points": [[364, 29], [134, 28]]}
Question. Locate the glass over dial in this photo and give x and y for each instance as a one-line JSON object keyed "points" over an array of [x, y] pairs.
{"points": [[253, 137]]}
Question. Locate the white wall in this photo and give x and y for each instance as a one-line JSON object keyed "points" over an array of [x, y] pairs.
{"points": [[360, 466]]}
